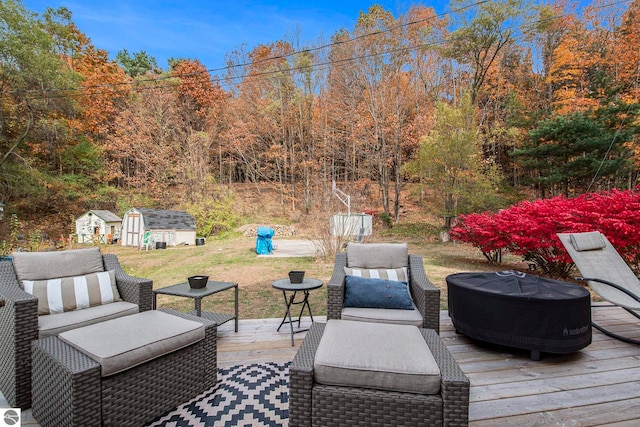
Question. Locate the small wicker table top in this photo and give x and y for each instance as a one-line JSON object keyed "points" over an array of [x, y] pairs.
{"points": [[213, 287], [184, 290]]}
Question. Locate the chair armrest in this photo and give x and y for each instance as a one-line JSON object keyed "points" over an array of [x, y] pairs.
{"points": [[132, 289], [18, 328], [454, 385], [425, 294], [335, 288], [613, 285], [301, 378]]}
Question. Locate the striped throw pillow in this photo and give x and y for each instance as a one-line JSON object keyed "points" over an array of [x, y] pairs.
{"points": [[73, 293], [395, 274]]}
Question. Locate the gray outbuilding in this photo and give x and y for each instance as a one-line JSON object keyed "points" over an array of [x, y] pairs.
{"points": [[151, 228]]}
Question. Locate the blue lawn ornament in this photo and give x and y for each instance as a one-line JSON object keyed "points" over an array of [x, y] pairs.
{"points": [[264, 246]]}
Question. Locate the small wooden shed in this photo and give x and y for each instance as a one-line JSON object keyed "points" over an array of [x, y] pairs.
{"points": [[147, 228], [98, 226]]}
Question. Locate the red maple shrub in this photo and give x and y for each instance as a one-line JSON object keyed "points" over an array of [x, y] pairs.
{"points": [[529, 228]]}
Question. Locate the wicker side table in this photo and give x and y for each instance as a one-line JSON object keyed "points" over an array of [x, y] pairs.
{"points": [[212, 287], [68, 388]]}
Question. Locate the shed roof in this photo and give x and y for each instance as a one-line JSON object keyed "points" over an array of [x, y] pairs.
{"points": [[106, 216], [167, 220]]}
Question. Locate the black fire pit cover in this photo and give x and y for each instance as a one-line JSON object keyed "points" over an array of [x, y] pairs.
{"points": [[520, 310]]}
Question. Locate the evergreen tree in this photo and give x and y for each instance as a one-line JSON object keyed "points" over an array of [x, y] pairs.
{"points": [[566, 154]]}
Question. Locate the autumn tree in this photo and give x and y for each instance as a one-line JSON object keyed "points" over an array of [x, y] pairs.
{"points": [[373, 83], [624, 52], [199, 108], [105, 88], [147, 141], [33, 77], [482, 32], [452, 164], [570, 71]]}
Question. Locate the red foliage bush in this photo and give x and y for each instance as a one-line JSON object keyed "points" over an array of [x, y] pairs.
{"points": [[529, 228]]}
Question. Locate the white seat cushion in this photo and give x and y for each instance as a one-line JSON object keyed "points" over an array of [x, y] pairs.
{"points": [[53, 324], [128, 341], [377, 356]]}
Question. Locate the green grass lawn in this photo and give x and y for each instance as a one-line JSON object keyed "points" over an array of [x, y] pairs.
{"points": [[235, 260]]}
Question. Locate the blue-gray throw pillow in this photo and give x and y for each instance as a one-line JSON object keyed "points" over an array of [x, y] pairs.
{"points": [[367, 292]]}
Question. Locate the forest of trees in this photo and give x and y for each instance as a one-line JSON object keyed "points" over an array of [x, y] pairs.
{"points": [[491, 99]]}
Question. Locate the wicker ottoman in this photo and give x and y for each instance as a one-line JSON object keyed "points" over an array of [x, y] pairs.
{"points": [[70, 390], [314, 404]]}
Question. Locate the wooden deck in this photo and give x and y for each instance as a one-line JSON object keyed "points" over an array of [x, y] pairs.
{"points": [[599, 385]]}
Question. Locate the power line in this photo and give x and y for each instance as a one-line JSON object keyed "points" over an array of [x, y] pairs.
{"points": [[306, 50], [229, 81]]}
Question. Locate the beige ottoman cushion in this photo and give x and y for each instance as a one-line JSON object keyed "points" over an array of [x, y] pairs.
{"points": [[125, 342], [377, 356]]}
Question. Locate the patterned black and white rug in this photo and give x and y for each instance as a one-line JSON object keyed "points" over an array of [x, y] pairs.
{"points": [[246, 395]]}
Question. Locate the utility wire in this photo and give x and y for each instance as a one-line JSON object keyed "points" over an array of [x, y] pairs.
{"points": [[272, 58], [228, 81]]}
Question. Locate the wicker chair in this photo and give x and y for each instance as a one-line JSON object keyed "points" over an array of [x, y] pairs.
{"points": [[425, 295], [313, 404], [19, 325]]}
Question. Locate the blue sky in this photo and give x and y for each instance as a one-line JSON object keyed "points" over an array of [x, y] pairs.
{"points": [[207, 30]]}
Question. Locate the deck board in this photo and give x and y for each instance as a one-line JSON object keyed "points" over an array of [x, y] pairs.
{"points": [[596, 386], [599, 385]]}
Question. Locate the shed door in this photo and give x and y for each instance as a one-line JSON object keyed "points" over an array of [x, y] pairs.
{"points": [[133, 229]]}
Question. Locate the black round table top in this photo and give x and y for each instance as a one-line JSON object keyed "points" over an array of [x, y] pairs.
{"points": [[306, 285], [517, 285]]}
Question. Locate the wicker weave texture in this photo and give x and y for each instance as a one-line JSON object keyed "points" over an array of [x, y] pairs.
{"points": [[69, 391], [335, 287], [425, 294], [301, 378], [18, 328], [66, 385], [19, 325], [321, 405], [132, 289], [348, 406]]}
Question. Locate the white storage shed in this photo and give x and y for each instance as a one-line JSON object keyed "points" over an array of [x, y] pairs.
{"points": [[351, 224], [98, 226], [151, 228]]}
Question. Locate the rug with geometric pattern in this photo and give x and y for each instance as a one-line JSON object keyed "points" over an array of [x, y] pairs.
{"points": [[245, 395]]}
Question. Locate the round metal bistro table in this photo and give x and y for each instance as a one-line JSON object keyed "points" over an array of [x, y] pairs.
{"points": [[305, 287]]}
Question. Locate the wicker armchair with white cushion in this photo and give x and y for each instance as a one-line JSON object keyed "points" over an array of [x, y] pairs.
{"points": [[47, 293], [382, 265]]}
